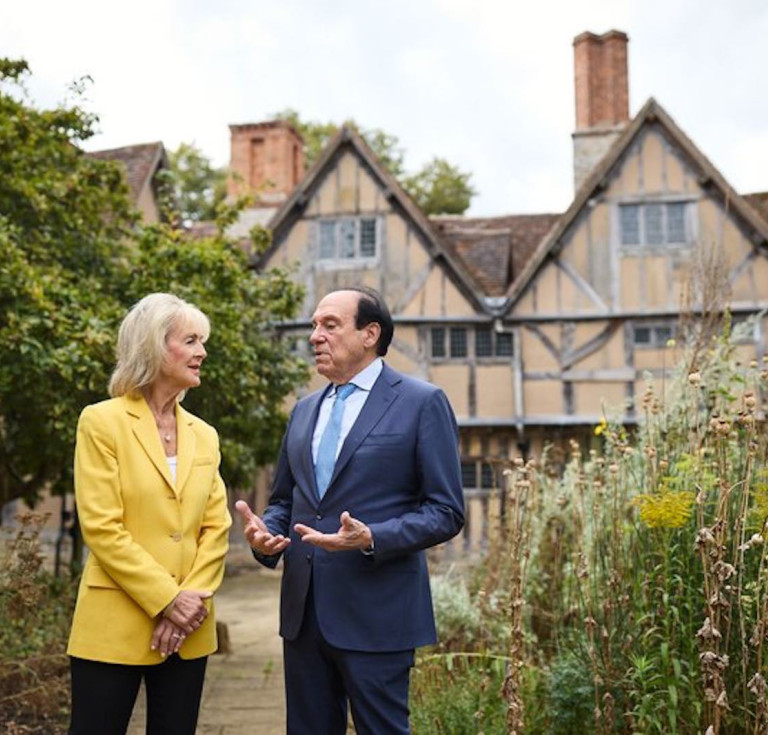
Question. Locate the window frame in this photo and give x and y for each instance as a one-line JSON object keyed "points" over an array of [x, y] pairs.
{"points": [[655, 341], [341, 226], [447, 336], [633, 236]]}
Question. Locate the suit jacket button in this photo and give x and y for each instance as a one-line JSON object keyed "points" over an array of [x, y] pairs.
{"points": [[176, 536], [318, 517], [309, 558]]}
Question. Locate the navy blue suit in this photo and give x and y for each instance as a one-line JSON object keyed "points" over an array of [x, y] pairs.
{"points": [[399, 473]]}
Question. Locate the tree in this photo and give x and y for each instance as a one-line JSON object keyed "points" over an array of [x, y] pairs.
{"points": [[199, 188], [437, 188], [440, 188], [250, 370], [73, 258], [64, 218]]}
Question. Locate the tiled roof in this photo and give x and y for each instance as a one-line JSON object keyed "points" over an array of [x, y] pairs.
{"points": [[759, 202], [141, 162], [493, 249]]}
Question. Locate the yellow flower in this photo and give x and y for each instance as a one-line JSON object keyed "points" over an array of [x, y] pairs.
{"points": [[601, 427], [665, 509]]}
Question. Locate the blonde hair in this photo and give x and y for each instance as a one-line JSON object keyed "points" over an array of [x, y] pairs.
{"points": [[142, 340]]}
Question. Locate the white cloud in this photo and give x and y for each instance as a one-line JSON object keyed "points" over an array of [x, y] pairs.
{"points": [[487, 84]]}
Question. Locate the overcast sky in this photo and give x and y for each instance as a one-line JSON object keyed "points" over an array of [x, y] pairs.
{"points": [[487, 84]]}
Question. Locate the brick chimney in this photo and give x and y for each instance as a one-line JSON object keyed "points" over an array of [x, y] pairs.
{"points": [[268, 158], [602, 98]]}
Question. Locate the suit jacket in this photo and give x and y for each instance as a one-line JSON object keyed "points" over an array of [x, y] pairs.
{"points": [[398, 472], [148, 538]]}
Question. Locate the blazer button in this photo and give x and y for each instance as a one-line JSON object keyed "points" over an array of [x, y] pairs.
{"points": [[309, 558], [176, 536], [318, 517]]}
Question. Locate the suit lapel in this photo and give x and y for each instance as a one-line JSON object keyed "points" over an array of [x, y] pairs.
{"points": [[145, 430], [382, 396], [185, 446]]}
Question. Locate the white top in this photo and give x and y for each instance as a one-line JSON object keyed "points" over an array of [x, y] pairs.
{"points": [[172, 463], [353, 405]]}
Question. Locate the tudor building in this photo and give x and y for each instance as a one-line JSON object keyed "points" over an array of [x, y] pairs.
{"points": [[533, 325]]}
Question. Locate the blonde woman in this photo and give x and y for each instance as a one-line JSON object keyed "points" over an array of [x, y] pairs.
{"points": [[153, 511]]}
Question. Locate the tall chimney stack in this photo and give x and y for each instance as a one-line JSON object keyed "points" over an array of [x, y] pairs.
{"points": [[602, 98], [269, 160]]}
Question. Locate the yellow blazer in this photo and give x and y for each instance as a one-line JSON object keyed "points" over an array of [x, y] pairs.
{"points": [[148, 537]]}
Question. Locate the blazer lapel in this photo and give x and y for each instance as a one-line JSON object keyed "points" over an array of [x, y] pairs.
{"points": [[145, 430], [383, 395], [185, 447]]}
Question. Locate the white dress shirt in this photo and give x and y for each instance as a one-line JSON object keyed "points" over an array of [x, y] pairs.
{"points": [[363, 381]]}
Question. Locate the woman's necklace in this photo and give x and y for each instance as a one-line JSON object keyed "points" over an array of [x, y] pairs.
{"points": [[166, 431]]}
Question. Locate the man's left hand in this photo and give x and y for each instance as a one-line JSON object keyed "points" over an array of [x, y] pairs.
{"points": [[352, 534]]}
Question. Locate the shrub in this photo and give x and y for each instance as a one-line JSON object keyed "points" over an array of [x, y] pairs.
{"points": [[35, 610]]}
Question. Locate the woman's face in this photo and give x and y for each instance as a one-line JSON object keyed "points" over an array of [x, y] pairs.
{"points": [[183, 357]]}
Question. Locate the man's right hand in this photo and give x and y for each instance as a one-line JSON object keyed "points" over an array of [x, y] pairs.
{"points": [[257, 534]]}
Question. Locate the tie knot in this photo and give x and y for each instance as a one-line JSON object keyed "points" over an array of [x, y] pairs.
{"points": [[343, 391]]}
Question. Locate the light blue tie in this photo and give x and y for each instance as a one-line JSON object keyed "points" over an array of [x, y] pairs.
{"points": [[329, 442]]}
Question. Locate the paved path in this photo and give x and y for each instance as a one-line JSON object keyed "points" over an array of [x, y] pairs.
{"points": [[243, 691]]}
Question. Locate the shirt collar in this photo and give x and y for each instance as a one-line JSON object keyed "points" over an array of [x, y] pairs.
{"points": [[365, 379]]}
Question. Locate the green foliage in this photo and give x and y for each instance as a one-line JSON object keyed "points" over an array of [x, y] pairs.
{"points": [[570, 703], [249, 370], [457, 695], [440, 188], [199, 188], [64, 220], [637, 578], [74, 258], [437, 188]]}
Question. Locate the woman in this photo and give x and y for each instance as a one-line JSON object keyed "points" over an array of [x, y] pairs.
{"points": [[153, 512]]}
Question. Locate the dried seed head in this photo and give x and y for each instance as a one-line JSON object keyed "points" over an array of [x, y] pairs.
{"points": [[708, 632], [749, 400], [704, 537], [723, 427], [722, 701], [694, 379], [757, 686]]}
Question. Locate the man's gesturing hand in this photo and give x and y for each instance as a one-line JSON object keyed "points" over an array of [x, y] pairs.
{"points": [[257, 534], [352, 534]]}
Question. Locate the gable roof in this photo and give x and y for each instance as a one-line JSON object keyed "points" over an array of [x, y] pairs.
{"points": [[494, 249], [141, 161], [348, 139], [651, 113]]}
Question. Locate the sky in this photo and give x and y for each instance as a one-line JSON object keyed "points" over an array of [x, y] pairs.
{"points": [[485, 84]]}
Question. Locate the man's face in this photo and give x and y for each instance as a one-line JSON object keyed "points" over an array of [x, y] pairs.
{"points": [[341, 349]]}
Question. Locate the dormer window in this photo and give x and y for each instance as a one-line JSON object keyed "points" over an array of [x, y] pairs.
{"points": [[653, 224], [349, 238]]}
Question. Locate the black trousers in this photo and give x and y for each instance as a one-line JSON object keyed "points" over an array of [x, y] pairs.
{"points": [[103, 696]]}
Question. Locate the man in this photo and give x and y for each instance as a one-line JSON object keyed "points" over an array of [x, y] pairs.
{"points": [[368, 477]]}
